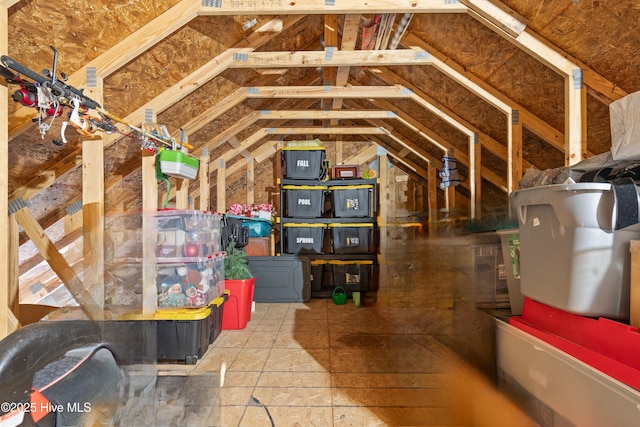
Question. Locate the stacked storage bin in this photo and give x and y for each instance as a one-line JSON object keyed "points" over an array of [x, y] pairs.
{"points": [[331, 222], [189, 278]]}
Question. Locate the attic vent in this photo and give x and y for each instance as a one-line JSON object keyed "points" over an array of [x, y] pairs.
{"points": [[148, 115], [451, 1], [329, 2], [212, 3]]}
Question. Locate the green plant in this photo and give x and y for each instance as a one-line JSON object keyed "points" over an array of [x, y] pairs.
{"points": [[236, 266]]}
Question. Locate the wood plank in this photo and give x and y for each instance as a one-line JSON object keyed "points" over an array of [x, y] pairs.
{"points": [[319, 7], [57, 263], [335, 130], [5, 326], [320, 92], [329, 58], [475, 159], [204, 182], [432, 195], [250, 181], [325, 114], [221, 202], [529, 120], [350, 31], [93, 217], [149, 205], [515, 163], [13, 298], [500, 15]]}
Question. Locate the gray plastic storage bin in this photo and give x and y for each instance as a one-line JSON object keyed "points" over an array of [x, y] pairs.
{"points": [[281, 278], [571, 255]]}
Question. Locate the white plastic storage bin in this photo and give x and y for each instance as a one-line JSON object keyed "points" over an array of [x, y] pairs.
{"points": [[582, 395], [187, 233], [571, 255]]}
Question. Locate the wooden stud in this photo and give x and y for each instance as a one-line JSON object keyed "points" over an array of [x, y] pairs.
{"points": [[203, 175], [250, 181], [514, 159], [57, 263], [221, 187], [5, 326], [149, 206]]}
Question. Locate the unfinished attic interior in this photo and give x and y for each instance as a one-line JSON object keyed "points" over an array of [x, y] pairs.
{"points": [[471, 125]]}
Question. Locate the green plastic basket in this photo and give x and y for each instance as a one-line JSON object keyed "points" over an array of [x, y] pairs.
{"points": [[339, 296]]}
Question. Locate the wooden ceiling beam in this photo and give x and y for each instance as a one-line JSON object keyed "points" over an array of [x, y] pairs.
{"points": [[328, 58], [320, 7], [453, 69], [326, 114]]}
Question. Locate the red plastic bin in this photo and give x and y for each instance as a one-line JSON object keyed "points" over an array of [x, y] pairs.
{"points": [[237, 309]]}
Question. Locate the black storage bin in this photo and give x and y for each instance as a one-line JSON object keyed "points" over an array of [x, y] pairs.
{"points": [[303, 238], [215, 318], [351, 200], [317, 274], [184, 340], [281, 278], [303, 162], [353, 275], [304, 201], [350, 238], [232, 230]]}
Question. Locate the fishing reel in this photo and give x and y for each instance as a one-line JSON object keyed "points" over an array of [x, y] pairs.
{"points": [[25, 97]]}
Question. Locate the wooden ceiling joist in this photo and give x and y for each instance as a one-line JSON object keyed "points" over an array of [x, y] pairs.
{"points": [[329, 58], [320, 7]]}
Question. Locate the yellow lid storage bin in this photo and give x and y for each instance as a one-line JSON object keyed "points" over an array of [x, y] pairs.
{"points": [[303, 238], [304, 201], [352, 238], [351, 200], [303, 162], [352, 275]]}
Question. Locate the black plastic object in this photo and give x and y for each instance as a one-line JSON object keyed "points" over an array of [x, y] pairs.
{"points": [[233, 231], [281, 278]]}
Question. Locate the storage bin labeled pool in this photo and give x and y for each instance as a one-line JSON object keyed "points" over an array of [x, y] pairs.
{"points": [[572, 256], [303, 238], [305, 201], [351, 200], [303, 162], [352, 275], [352, 237]]}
